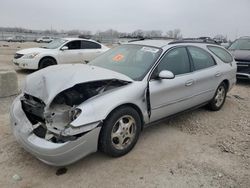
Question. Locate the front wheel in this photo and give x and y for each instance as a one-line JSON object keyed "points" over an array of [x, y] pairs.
{"points": [[45, 62], [120, 132], [219, 98]]}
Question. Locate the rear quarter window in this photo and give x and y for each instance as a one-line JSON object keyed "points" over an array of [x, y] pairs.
{"points": [[222, 54], [201, 58]]}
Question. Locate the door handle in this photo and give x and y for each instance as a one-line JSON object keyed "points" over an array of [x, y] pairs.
{"points": [[189, 82], [218, 74]]}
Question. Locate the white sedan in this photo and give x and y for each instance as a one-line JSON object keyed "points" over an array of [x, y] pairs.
{"points": [[59, 51], [44, 39]]}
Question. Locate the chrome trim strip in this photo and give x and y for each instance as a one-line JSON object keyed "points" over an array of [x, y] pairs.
{"points": [[243, 74], [242, 65]]}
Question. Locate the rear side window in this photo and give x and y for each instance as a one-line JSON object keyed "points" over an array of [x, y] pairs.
{"points": [[201, 58], [221, 53], [90, 45]]}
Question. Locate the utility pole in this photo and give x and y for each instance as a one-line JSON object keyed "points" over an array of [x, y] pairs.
{"points": [[50, 29]]}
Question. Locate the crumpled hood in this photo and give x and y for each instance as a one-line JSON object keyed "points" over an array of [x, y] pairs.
{"points": [[32, 50], [47, 83], [241, 55]]}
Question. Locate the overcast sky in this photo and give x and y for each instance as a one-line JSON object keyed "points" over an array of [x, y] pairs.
{"points": [[193, 17]]}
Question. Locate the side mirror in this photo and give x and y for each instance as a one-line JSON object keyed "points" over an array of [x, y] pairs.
{"points": [[64, 48], [165, 74]]}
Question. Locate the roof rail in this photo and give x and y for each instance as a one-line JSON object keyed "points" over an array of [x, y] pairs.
{"points": [[150, 38], [194, 41]]}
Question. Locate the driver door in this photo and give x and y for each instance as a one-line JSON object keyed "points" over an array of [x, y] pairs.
{"points": [[73, 54], [169, 96]]}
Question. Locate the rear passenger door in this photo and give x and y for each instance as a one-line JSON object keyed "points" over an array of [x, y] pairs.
{"points": [[89, 50], [206, 74]]}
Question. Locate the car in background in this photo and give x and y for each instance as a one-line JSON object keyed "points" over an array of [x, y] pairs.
{"points": [[59, 51], [17, 38], [66, 112], [44, 39], [225, 44], [240, 49]]}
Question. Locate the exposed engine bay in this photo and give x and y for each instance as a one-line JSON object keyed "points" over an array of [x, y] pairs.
{"points": [[53, 122]]}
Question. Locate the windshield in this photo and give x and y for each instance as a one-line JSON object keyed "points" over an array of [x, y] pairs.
{"points": [[240, 44], [132, 60], [55, 44]]}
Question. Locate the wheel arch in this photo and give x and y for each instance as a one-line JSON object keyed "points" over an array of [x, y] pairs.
{"points": [[49, 57], [134, 106]]}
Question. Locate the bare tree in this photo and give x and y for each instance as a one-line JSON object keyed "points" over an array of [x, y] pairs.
{"points": [[138, 33], [176, 34], [153, 33]]}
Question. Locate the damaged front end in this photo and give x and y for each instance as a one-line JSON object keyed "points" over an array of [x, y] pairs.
{"points": [[53, 122]]}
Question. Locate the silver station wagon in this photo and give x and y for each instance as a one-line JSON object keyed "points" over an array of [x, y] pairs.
{"points": [[66, 112]]}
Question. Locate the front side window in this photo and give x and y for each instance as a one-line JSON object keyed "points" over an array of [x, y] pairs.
{"points": [[133, 61], [201, 58], [74, 45], [89, 45], [221, 53], [176, 61]]}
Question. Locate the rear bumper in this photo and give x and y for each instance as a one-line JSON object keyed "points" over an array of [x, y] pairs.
{"points": [[56, 154]]}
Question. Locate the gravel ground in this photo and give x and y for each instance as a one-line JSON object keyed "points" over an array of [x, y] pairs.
{"points": [[197, 149]]}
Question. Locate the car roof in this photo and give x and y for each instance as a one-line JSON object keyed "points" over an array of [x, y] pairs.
{"points": [[155, 43], [70, 39]]}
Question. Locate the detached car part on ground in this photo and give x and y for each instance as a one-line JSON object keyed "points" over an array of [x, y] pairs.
{"points": [[66, 112], [240, 49], [59, 51]]}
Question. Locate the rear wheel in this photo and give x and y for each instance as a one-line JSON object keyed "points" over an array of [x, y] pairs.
{"points": [[45, 62], [120, 132], [219, 98]]}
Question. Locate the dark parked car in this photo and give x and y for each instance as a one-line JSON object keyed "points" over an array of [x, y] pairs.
{"points": [[240, 48]]}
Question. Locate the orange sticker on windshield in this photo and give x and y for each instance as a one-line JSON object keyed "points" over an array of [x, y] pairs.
{"points": [[118, 57]]}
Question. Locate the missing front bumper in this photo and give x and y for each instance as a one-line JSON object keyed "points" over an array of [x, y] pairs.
{"points": [[56, 154]]}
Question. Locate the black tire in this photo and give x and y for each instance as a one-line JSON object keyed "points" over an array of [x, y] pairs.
{"points": [[108, 143], [216, 104], [45, 62]]}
